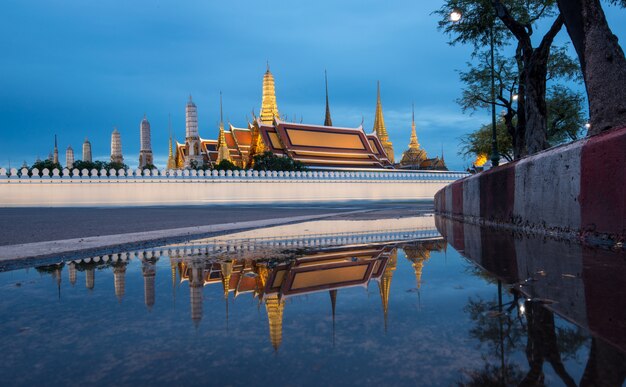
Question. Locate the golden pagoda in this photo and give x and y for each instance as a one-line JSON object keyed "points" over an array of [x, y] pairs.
{"points": [[269, 108], [223, 153], [274, 307], [413, 156], [380, 129]]}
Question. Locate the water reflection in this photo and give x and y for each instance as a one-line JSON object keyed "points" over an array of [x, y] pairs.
{"points": [[544, 277], [270, 281], [379, 306]]}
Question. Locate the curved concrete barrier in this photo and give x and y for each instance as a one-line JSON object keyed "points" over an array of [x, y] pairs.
{"points": [[574, 190]]}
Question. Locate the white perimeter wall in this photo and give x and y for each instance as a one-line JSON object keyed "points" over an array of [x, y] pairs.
{"points": [[131, 192]]}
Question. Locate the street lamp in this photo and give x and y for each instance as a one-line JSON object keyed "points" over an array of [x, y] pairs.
{"points": [[456, 16]]}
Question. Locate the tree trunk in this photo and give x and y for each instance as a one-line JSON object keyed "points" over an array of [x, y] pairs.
{"points": [[536, 111], [602, 61]]}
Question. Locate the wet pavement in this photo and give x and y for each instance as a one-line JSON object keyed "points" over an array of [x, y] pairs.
{"points": [[385, 301]]}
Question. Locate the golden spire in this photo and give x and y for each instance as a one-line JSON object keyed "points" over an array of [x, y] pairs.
{"points": [[227, 271], [418, 255], [379, 126], [223, 153], [269, 108], [327, 120], [274, 307], [384, 285], [413, 144], [171, 164]]}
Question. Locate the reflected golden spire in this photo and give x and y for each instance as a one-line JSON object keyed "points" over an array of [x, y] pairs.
{"points": [[418, 255], [380, 128], [223, 153], [274, 307], [269, 108], [261, 278], [384, 285], [227, 271]]}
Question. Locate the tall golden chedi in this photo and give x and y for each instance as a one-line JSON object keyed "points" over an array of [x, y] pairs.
{"points": [[223, 153], [269, 108], [380, 129], [414, 155]]}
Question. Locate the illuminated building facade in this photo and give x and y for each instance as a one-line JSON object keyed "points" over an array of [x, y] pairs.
{"points": [[313, 145]]}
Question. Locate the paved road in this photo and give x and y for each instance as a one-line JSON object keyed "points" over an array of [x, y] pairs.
{"points": [[26, 225]]}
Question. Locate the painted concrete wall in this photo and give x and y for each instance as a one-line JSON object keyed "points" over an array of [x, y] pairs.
{"points": [[575, 190], [175, 189]]}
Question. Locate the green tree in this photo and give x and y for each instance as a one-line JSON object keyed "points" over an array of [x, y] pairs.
{"points": [[268, 161], [476, 93], [226, 165], [41, 164], [479, 142], [519, 21]]}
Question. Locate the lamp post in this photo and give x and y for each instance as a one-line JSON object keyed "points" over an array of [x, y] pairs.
{"points": [[456, 16]]}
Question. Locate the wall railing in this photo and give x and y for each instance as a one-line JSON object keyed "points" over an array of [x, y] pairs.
{"points": [[175, 175]]}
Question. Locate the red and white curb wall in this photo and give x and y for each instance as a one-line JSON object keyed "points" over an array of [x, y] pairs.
{"points": [[579, 189]]}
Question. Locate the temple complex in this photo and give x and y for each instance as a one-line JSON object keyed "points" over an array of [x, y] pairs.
{"points": [[324, 145]]}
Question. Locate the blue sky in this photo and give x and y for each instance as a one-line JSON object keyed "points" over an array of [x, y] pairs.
{"points": [[78, 68]]}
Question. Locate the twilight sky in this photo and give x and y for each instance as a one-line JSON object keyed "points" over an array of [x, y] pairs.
{"points": [[78, 68]]}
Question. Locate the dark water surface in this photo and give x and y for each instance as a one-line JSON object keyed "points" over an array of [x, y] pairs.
{"points": [[392, 312]]}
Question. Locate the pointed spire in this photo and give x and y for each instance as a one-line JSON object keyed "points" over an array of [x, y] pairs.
{"points": [[413, 143], [223, 153], [327, 120], [269, 108], [379, 126]]}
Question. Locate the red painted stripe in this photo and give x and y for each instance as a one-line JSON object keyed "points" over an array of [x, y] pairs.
{"points": [[457, 198], [605, 297], [603, 184], [497, 193]]}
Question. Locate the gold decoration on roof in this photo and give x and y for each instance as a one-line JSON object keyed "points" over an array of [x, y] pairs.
{"points": [[269, 108], [481, 159]]}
